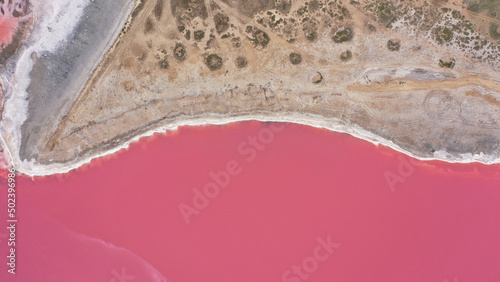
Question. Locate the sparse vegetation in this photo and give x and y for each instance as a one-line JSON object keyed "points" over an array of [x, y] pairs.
{"points": [[158, 9], [189, 9], [386, 14], [318, 78], [221, 22], [260, 38], [309, 30], [393, 45], [250, 8], [311, 36], [302, 11], [241, 62], [314, 5], [283, 6], [447, 34], [199, 35], [213, 62], [163, 63], [489, 7], [343, 34], [179, 52], [494, 31], [295, 58], [148, 27], [236, 42], [371, 28], [443, 35], [447, 64], [345, 56]]}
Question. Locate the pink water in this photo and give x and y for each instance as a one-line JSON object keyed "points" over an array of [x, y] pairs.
{"points": [[308, 204], [8, 28]]}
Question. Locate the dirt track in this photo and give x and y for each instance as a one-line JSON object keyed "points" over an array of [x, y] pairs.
{"points": [[400, 85]]}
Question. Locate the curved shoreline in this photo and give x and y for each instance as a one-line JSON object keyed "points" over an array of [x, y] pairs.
{"points": [[32, 169], [81, 149]]}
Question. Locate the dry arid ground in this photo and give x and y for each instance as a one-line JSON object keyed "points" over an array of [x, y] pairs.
{"points": [[421, 74]]}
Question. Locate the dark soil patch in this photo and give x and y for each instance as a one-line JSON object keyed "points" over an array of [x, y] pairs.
{"points": [[371, 28], [489, 7], [310, 31], [311, 36], [313, 5], [179, 52], [259, 38], [251, 7], [186, 10], [345, 56], [494, 31], [149, 26], [214, 6], [213, 62], [241, 62], [236, 41], [393, 45], [158, 9], [164, 63], [138, 8], [221, 22], [283, 6], [199, 35], [192, 8], [295, 58]]}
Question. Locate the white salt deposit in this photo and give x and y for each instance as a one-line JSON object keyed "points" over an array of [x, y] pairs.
{"points": [[54, 21]]}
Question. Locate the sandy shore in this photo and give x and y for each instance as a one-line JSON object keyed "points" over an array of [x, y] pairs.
{"points": [[34, 169], [58, 77], [159, 78]]}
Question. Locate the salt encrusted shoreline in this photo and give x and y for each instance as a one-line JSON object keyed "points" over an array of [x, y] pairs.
{"points": [[50, 16], [34, 169], [55, 22]]}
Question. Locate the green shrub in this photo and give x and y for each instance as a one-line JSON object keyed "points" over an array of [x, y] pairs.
{"points": [[393, 45], [213, 62], [448, 64], [179, 52], [295, 58], [345, 56], [343, 34]]}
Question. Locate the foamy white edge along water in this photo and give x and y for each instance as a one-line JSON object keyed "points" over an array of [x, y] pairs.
{"points": [[54, 21], [33, 169]]}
